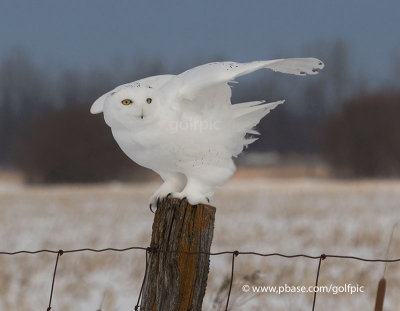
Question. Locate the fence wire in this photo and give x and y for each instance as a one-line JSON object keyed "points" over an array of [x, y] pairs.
{"points": [[234, 254]]}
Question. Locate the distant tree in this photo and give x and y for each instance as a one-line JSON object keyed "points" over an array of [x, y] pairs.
{"points": [[24, 93], [335, 83], [363, 140], [393, 81]]}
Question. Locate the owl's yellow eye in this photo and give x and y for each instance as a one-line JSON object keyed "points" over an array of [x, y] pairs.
{"points": [[126, 102], [148, 100]]}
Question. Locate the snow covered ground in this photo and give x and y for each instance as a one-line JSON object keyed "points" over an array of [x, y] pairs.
{"points": [[290, 216]]}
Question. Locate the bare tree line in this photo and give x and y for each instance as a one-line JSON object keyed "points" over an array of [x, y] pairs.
{"points": [[46, 129]]}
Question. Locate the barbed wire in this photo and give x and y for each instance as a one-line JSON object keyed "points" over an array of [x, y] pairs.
{"points": [[234, 254]]}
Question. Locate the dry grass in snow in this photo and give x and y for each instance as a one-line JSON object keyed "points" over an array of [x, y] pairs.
{"points": [[290, 216]]}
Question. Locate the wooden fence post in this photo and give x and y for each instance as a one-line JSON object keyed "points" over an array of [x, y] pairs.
{"points": [[176, 281]]}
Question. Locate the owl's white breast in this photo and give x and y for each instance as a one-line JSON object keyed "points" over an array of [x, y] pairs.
{"points": [[173, 146], [144, 148]]}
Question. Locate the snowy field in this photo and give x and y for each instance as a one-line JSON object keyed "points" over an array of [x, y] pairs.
{"points": [[290, 216]]}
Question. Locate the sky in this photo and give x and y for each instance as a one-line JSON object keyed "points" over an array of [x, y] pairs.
{"points": [[94, 32]]}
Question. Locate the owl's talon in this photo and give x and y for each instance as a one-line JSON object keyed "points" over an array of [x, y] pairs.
{"points": [[151, 209], [208, 200], [183, 199], [168, 195], [158, 202]]}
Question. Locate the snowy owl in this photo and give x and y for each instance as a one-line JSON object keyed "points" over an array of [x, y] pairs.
{"points": [[185, 128]]}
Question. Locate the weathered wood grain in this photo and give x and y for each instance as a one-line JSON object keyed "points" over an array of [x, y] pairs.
{"points": [[177, 281]]}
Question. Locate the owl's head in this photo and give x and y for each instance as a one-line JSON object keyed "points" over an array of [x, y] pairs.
{"points": [[126, 106]]}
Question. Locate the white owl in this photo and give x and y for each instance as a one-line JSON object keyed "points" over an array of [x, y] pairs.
{"points": [[185, 128]]}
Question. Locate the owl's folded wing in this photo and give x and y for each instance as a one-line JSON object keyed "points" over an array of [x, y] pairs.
{"points": [[189, 84]]}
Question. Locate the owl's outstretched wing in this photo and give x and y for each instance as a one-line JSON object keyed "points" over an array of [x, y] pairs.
{"points": [[150, 82], [193, 82]]}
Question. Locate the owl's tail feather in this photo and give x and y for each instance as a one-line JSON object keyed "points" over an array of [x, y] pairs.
{"points": [[247, 116]]}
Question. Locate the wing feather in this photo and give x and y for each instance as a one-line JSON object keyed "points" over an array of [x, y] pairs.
{"points": [[191, 83]]}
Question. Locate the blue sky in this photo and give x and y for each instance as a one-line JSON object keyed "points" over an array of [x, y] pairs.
{"points": [[94, 32]]}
